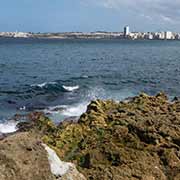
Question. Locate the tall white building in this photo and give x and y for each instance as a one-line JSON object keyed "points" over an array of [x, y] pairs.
{"points": [[126, 31]]}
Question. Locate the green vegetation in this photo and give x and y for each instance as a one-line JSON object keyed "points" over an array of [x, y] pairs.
{"points": [[137, 139]]}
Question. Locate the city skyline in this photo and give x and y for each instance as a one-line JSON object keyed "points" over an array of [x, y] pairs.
{"points": [[125, 34], [89, 15]]}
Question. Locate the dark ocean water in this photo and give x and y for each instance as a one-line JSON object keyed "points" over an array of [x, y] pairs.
{"points": [[33, 72]]}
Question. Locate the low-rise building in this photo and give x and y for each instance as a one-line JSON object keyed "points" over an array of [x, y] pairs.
{"points": [[168, 35]]}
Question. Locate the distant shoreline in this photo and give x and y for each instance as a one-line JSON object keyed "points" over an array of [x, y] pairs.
{"points": [[91, 35], [84, 38]]}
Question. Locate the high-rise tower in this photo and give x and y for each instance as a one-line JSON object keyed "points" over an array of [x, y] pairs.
{"points": [[126, 31]]}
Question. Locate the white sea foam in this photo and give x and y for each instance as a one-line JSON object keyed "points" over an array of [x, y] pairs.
{"points": [[58, 167], [43, 84], [61, 112], [75, 110], [23, 108], [68, 110], [85, 76], [70, 88], [8, 127]]}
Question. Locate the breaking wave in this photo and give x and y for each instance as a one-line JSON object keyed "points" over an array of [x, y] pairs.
{"points": [[70, 88], [8, 127], [54, 86], [41, 85], [61, 112]]}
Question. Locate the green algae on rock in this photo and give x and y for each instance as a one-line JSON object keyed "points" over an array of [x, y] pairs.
{"points": [[137, 139]]}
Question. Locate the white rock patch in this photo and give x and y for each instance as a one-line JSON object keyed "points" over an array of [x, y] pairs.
{"points": [[58, 167]]}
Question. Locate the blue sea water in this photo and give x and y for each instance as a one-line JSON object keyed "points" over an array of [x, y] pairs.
{"points": [[39, 74]]}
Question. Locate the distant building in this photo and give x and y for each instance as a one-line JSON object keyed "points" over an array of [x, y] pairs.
{"points": [[161, 35], [126, 31], [168, 35], [177, 36], [21, 35], [148, 36]]}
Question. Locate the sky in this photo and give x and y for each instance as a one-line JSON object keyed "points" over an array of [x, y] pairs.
{"points": [[89, 15]]}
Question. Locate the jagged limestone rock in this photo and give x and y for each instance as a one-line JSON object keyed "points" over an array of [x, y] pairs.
{"points": [[136, 139]]}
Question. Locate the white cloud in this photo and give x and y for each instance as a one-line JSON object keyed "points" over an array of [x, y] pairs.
{"points": [[163, 10], [167, 19]]}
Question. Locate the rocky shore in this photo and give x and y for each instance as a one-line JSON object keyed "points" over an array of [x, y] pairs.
{"points": [[137, 139]]}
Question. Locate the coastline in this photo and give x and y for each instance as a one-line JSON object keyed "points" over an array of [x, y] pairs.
{"points": [[137, 138], [82, 35]]}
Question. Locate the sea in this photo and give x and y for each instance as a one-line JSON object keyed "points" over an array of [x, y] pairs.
{"points": [[61, 77]]}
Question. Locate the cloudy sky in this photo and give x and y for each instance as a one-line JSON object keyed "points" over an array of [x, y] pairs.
{"points": [[89, 15]]}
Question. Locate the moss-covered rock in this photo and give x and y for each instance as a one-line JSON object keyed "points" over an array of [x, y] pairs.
{"points": [[137, 139]]}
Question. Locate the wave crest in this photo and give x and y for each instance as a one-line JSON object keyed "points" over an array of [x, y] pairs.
{"points": [[43, 84], [8, 127], [70, 88]]}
